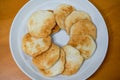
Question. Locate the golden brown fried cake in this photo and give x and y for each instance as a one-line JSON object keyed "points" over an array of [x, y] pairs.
{"points": [[51, 11], [73, 60], [35, 46], [61, 13], [84, 27], [84, 43], [41, 23], [74, 17], [48, 58], [57, 68], [55, 29]]}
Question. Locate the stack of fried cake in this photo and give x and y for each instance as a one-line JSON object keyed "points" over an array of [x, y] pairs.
{"points": [[49, 58]]}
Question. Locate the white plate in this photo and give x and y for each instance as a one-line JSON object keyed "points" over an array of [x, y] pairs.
{"points": [[19, 28]]}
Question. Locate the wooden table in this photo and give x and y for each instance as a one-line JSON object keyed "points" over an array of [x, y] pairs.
{"points": [[109, 70]]}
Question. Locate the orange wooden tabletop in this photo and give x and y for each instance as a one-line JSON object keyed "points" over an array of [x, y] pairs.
{"points": [[109, 70]]}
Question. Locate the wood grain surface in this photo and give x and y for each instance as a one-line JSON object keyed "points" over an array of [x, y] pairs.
{"points": [[109, 70]]}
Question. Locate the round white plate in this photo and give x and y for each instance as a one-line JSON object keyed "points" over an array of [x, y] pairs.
{"points": [[19, 29]]}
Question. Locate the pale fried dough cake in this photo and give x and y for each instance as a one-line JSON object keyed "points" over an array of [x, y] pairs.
{"points": [[84, 27], [41, 23], [61, 12], [35, 46], [73, 60], [74, 17], [48, 58], [57, 68], [84, 43]]}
